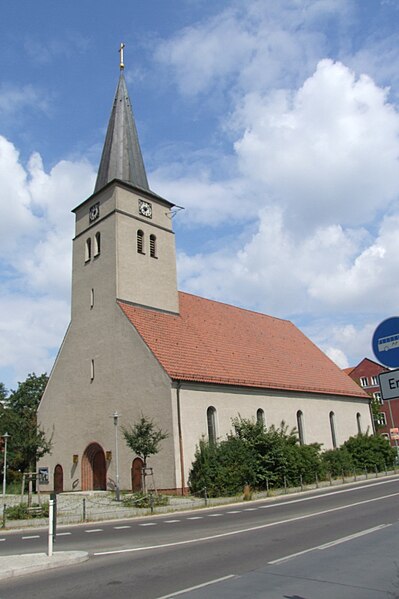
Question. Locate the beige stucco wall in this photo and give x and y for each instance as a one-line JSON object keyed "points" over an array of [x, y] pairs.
{"points": [[278, 406]]}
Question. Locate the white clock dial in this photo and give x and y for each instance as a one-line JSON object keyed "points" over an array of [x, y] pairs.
{"points": [[145, 208]]}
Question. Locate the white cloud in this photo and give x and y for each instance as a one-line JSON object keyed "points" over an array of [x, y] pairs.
{"points": [[35, 248], [15, 99]]}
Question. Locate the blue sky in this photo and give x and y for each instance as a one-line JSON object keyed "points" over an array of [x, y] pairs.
{"points": [[274, 123]]}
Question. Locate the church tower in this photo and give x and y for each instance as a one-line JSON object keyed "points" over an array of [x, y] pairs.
{"points": [[124, 246]]}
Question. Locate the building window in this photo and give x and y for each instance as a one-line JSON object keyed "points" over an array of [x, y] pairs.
{"points": [[332, 427], [299, 421], [381, 419], [374, 380], [140, 241], [91, 299], [378, 397], [363, 381], [359, 423], [211, 418], [97, 244], [92, 371], [153, 246], [88, 250], [260, 417]]}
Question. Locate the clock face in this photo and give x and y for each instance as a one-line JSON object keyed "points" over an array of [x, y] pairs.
{"points": [[94, 212], [145, 208]]}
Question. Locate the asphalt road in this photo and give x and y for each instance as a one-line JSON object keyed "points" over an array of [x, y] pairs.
{"points": [[245, 545]]}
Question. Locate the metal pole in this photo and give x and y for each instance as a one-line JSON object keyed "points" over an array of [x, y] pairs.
{"points": [[117, 489], [5, 437], [50, 526], [392, 426]]}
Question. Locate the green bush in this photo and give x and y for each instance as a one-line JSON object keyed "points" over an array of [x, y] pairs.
{"points": [[21, 511], [370, 452], [338, 462], [140, 500]]}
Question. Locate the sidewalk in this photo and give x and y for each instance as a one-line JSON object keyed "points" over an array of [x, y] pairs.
{"points": [[19, 565]]}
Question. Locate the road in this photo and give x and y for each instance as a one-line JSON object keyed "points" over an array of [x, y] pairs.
{"points": [[318, 544]]}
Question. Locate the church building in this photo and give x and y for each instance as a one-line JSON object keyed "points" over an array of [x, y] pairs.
{"points": [[137, 346]]}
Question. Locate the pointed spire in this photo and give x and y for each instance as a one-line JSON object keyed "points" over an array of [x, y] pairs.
{"points": [[121, 157]]}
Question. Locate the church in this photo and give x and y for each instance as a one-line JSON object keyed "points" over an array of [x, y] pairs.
{"points": [[137, 346]]}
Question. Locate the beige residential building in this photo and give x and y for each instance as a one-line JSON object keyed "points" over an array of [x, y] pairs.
{"points": [[135, 345]]}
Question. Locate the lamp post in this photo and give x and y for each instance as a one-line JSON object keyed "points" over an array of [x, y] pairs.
{"points": [[6, 436], [115, 416]]}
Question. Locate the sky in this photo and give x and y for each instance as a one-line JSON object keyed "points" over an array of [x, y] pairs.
{"points": [[274, 123]]}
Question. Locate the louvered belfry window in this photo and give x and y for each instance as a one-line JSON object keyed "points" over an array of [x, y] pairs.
{"points": [[140, 242], [153, 248]]}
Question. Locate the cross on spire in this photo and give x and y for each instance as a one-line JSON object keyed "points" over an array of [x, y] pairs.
{"points": [[121, 64]]}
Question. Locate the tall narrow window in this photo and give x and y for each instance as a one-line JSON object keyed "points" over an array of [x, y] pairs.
{"points": [[140, 241], [153, 246], [92, 371], [332, 427], [92, 299], [97, 244], [359, 423], [88, 250], [299, 421], [260, 417], [211, 417]]}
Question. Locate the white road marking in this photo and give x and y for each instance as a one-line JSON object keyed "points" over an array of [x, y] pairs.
{"points": [[250, 509], [250, 529], [31, 537], [2, 540], [121, 527], [214, 515], [198, 586], [94, 530], [234, 512], [148, 524], [195, 518], [321, 496], [171, 521], [62, 534], [330, 544]]}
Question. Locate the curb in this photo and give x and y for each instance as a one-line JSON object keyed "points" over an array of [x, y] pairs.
{"points": [[29, 563]]}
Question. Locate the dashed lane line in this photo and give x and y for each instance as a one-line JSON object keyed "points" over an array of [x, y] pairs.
{"points": [[62, 534], [214, 515], [148, 524], [95, 530], [121, 527], [171, 521], [195, 518], [31, 537]]}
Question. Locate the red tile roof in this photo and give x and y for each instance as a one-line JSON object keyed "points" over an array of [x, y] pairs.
{"points": [[217, 343]]}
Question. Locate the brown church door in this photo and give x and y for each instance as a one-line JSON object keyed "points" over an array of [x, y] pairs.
{"points": [[99, 471], [137, 475], [58, 479]]}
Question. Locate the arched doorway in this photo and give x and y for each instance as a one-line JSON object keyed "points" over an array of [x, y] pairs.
{"points": [[137, 475], [94, 472], [58, 479]]}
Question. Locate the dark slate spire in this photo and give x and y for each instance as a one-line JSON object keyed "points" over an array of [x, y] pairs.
{"points": [[121, 157]]}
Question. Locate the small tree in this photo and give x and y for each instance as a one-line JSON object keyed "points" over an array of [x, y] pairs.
{"points": [[144, 438]]}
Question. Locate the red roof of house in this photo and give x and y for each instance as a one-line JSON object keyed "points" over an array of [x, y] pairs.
{"points": [[217, 343]]}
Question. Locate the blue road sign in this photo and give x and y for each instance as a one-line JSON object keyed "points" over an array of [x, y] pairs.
{"points": [[386, 342]]}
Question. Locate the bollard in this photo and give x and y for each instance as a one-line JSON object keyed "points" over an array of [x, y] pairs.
{"points": [[4, 515], [386, 469], [84, 509], [317, 481], [205, 497], [285, 484], [151, 503], [50, 526], [343, 477], [367, 474], [267, 486], [376, 471], [301, 481], [329, 476], [354, 475]]}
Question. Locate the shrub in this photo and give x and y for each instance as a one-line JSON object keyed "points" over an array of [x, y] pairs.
{"points": [[338, 462], [140, 500], [21, 511]]}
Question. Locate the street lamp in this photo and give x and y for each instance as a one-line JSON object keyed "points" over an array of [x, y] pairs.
{"points": [[115, 416], [6, 436]]}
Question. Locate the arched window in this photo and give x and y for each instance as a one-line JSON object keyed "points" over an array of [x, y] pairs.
{"points": [[140, 241], [299, 421], [359, 423], [211, 418], [260, 417], [332, 427], [97, 244], [153, 246], [88, 250]]}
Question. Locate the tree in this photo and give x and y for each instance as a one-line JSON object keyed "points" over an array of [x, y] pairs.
{"points": [[144, 439], [27, 442]]}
